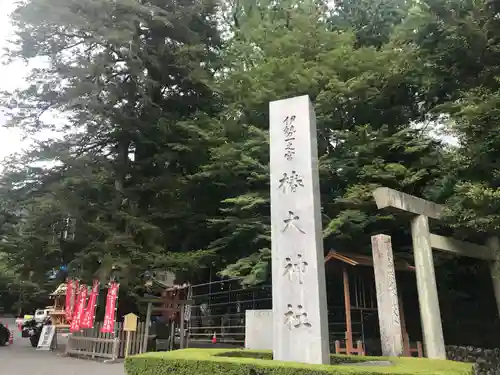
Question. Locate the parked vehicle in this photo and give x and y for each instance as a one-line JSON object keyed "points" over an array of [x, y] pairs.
{"points": [[41, 314], [32, 329], [4, 335]]}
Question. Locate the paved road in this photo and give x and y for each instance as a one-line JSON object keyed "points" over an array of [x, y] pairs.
{"points": [[22, 359]]}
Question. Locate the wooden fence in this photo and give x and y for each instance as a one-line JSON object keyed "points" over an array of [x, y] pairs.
{"points": [[92, 343]]}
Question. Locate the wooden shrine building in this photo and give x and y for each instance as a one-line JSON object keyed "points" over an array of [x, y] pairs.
{"points": [[169, 302], [355, 273], [58, 309]]}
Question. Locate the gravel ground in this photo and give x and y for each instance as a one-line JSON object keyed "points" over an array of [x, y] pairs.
{"points": [[22, 359]]}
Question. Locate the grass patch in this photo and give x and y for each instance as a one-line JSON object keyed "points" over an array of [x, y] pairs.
{"points": [[268, 355], [246, 362]]}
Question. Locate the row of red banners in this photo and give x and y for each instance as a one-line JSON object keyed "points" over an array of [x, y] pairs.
{"points": [[82, 314]]}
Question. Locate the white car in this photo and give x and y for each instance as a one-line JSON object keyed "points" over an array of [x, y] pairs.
{"points": [[40, 315], [21, 320]]}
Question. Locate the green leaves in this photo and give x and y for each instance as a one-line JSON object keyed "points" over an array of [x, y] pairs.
{"points": [[134, 80], [365, 101], [164, 161], [456, 44], [254, 269]]}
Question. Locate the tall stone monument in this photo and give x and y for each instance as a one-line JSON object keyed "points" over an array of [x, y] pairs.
{"points": [[300, 320], [391, 336]]}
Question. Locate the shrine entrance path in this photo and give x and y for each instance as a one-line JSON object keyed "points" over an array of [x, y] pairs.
{"points": [[22, 359]]}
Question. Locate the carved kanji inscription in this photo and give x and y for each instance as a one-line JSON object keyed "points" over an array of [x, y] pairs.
{"points": [[289, 131], [296, 317], [292, 222], [290, 182], [295, 269]]}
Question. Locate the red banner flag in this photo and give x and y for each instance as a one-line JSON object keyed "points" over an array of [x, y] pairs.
{"points": [[79, 309], [109, 316], [69, 299], [89, 315]]}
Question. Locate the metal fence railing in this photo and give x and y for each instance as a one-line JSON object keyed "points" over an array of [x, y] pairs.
{"points": [[219, 308]]}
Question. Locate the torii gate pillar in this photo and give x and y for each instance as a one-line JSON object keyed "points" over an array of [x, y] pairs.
{"points": [[430, 313]]}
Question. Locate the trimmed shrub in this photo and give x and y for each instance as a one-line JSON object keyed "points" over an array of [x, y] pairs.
{"points": [[268, 354], [243, 362]]}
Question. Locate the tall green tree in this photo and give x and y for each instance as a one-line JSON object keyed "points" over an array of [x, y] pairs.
{"points": [[165, 158], [372, 22], [134, 81], [458, 45], [367, 101]]}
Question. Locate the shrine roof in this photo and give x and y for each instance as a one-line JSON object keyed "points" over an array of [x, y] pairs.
{"points": [[60, 290], [166, 286], [364, 260]]}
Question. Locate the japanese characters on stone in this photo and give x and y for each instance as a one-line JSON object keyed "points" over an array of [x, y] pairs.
{"points": [[391, 277], [295, 267], [289, 131], [292, 221], [291, 182], [296, 317]]}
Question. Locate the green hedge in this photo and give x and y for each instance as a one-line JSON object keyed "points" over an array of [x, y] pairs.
{"points": [[242, 362]]}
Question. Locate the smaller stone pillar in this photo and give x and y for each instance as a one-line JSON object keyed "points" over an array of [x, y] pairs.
{"points": [[428, 300], [387, 296]]}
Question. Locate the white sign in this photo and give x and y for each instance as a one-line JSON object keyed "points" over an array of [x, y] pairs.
{"points": [[259, 329], [46, 338]]}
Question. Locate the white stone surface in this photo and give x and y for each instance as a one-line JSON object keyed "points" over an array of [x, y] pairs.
{"points": [[300, 329], [462, 248], [387, 296], [259, 329], [430, 313], [386, 198]]}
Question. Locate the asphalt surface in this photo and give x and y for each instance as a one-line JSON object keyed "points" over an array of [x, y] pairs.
{"points": [[21, 359]]}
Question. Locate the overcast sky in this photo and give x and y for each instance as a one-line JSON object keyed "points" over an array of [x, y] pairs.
{"points": [[11, 77]]}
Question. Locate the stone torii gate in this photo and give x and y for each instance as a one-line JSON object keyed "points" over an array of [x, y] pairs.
{"points": [[424, 241]]}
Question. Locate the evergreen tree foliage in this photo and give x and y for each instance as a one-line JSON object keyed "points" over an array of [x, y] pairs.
{"points": [[134, 79], [458, 43], [366, 105], [163, 159]]}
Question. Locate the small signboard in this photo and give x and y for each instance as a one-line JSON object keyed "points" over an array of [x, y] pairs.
{"points": [[130, 323], [46, 338]]}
